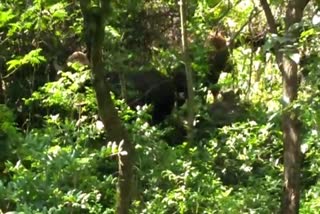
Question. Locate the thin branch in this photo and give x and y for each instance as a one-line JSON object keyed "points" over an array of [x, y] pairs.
{"points": [[270, 18], [253, 14], [186, 59]]}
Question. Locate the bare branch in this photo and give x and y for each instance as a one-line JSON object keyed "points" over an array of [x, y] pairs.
{"points": [[270, 18]]}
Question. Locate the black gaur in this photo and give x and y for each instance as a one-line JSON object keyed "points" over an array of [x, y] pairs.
{"points": [[145, 87], [150, 87]]}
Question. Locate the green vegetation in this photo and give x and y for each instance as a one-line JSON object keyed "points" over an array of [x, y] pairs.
{"points": [[56, 155]]}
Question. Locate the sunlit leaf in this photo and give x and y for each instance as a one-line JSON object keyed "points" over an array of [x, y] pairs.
{"points": [[33, 57], [5, 17]]}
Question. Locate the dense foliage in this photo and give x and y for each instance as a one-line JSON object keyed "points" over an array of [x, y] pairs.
{"points": [[55, 156]]}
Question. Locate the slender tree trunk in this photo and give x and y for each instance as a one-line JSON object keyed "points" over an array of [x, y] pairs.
{"points": [[1, 90], [187, 63], [290, 122], [94, 23], [291, 140]]}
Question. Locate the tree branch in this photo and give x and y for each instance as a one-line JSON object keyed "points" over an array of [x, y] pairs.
{"points": [[270, 18]]}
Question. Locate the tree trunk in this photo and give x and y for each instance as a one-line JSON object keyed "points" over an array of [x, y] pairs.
{"points": [[290, 122], [291, 140], [187, 63], [94, 23], [2, 101]]}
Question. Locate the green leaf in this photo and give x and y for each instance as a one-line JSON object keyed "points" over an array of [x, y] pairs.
{"points": [[58, 11], [5, 17], [111, 30], [14, 64], [14, 28], [33, 57]]}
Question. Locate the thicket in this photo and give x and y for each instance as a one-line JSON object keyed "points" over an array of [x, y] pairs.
{"points": [[55, 156]]}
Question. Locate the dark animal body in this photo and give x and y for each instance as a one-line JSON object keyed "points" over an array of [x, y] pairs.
{"points": [[150, 87], [218, 60], [161, 91], [144, 87]]}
